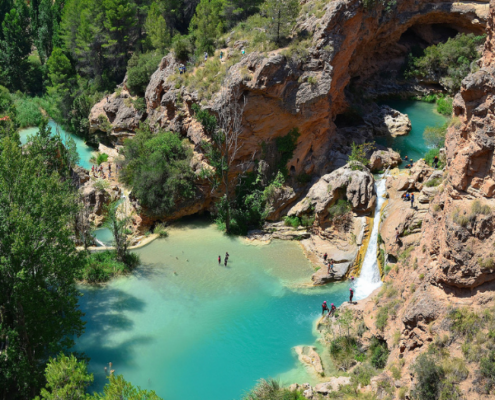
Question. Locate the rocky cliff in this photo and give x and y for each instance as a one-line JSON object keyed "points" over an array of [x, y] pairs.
{"points": [[439, 294]]}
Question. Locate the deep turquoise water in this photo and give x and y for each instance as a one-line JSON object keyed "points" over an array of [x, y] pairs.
{"points": [[85, 152], [421, 114], [190, 329]]}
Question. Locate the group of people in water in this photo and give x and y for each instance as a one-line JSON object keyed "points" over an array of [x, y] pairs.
{"points": [[226, 259], [100, 172]]}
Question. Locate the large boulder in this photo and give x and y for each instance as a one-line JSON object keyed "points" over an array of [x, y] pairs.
{"points": [[356, 186], [381, 159], [385, 121]]}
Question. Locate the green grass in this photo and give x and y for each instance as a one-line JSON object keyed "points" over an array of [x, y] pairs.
{"points": [[444, 105]]}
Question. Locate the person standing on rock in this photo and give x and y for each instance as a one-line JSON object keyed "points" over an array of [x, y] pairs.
{"points": [[351, 295], [330, 267], [397, 235], [412, 200], [324, 307], [435, 162], [325, 256], [332, 310]]}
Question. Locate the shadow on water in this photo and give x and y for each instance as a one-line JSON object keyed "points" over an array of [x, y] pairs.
{"points": [[108, 307]]}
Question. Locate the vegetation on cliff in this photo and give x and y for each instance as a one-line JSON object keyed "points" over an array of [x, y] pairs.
{"points": [[447, 63], [157, 168]]}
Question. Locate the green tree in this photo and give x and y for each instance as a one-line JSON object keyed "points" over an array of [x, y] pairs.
{"points": [[16, 46], [156, 28], [119, 20], [117, 221], [38, 265], [139, 71], [357, 158], [282, 15], [429, 377], [118, 388], [157, 167], [435, 135], [66, 378], [207, 24], [45, 26]]}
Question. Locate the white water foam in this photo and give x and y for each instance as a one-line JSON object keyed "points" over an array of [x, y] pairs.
{"points": [[370, 278]]}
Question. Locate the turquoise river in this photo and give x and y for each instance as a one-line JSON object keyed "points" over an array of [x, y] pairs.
{"points": [[190, 329]]}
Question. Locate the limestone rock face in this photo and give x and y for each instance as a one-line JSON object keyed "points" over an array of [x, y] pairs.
{"points": [[382, 159], [385, 121], [357, 186], [322, 276]]}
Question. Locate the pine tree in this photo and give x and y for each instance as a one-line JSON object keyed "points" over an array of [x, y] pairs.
{"points": [[16, 46], [207, 24], [43, 39], [156, 28], [282, 16]]}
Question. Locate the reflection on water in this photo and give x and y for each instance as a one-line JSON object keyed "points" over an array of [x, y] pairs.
{"points": [[421, 114], [190, 329], [85, 152]]}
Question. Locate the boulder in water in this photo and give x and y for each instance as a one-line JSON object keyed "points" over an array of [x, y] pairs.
{"points": [[308, 356], [385, 121]]}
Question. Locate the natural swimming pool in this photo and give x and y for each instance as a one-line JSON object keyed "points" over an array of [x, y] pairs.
{"points": [[421, 114], [190, 329]]}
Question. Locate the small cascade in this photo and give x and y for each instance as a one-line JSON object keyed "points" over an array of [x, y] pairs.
{"points": [[370, 278]]}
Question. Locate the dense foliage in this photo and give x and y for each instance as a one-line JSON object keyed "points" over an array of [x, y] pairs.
{"points": [[435, 135], [157, 169], [68, 378], [449, 62], [38, 263]]}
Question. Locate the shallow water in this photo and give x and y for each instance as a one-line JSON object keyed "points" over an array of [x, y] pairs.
{"points": [[104, 235], [85, 152], [421, 114], [190, 329]]}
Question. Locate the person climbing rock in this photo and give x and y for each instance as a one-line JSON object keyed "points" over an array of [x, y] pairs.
{"points": [[412, 200], [206, 56], [351, 294], [324, 307], [332, 310], [219, 260], [325, 256], [330, 267], [397, 235], [435, 162], [221, 55]]}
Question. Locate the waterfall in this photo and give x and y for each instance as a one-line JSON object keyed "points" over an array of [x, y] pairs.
{"points": [[370, 278]]}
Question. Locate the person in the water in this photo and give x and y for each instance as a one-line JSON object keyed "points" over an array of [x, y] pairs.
{"points": [[351, 294], [219, 260], [324, 307]]}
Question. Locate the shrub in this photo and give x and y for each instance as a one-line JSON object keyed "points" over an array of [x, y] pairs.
{"points": [[340, 208], [428, 377], [292, 221], [139, 70], [487, 370], [382, 318], [379, 353], [435, 135], [101, 266], [99, 158], [478, 208], [464, 322], [459, 218], [487, 263], [433, 182], [157, 167], [444, 105], [182, 46], [343, 350], [307, 220], [101, 184], [303, 178], [451, 61], [286, 146], [362, 374], [161, 231], [358, 155], [430, 156]]}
